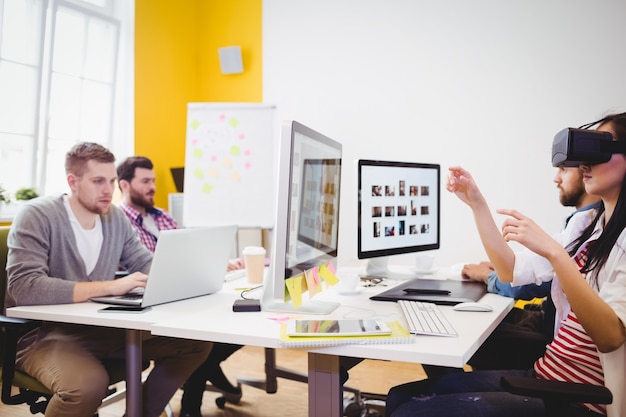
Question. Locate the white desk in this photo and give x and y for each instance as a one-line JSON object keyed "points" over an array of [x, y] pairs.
{"points": [[191, 319], [134, 323], [325, 391]]}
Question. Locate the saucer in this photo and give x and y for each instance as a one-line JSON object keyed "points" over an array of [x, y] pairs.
{"points": [[425, 271], [351, 292]]}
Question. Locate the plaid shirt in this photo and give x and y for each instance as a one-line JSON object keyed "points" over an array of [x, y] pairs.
{"points": [[161, 219]]}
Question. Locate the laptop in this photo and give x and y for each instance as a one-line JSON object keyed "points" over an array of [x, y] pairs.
{"points": [[187, 263], [438, 291]]}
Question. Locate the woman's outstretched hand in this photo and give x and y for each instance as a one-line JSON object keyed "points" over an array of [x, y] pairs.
{"points": [[521, 229], [461, 183]]}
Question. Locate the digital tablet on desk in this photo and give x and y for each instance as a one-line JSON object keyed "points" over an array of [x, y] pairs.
{"points": [[346, 327], [445, 292]]}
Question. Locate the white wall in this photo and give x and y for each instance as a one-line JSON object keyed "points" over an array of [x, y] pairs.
{"points": [[484, 84]]}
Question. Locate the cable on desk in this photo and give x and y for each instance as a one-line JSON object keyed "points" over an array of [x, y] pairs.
{"points": [[245, 292]]}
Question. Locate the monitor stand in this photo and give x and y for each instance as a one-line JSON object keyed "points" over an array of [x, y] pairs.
{"points": [[379, 267]]}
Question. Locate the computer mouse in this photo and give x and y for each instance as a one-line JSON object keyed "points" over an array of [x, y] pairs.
{"points": [[472, 306]]}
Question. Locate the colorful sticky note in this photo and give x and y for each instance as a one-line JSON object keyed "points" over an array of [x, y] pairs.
{"points": [[207, 188], [328, 275], [195, 124], [235, 150], [313, 282], [294, 289], [197, 153], [233, 122]]}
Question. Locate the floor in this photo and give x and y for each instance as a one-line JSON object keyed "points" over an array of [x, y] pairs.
{"points": [[290, 400]]}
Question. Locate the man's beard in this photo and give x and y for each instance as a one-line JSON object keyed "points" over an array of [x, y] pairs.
{"points": [[94, 208], [571, 199], [141, 201]]}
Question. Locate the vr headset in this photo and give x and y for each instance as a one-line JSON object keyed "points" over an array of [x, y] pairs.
{"points": [[573, 147]]}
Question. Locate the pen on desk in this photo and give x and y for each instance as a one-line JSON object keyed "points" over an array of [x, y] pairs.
{"points": [[426, 291]]}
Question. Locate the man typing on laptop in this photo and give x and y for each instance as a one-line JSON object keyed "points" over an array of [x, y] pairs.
{"points": [[66, 249], [136, 179]]}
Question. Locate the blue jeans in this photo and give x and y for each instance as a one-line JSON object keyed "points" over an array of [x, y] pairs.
{"points": [[467, 394]]}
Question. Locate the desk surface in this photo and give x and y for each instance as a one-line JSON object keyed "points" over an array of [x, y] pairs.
{"points": [[211, 318], [262, 328]]}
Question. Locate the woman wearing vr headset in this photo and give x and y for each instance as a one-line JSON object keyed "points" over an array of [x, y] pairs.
{"points": [[588, 268]]}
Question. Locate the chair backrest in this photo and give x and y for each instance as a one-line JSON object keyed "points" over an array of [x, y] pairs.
{"points": [[4, 251]]}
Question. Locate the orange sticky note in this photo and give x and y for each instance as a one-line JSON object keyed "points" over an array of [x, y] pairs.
{"points": [[311, 276]]}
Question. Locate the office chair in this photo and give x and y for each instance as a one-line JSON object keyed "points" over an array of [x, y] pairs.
{"points": [[31, 391], [555, 394]]}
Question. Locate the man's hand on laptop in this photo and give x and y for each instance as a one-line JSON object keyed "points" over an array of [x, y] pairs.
{"points": [[83, 291], [126, 284]]}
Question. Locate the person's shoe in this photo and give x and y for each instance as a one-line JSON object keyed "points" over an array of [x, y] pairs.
{"points": [[232, 397]]}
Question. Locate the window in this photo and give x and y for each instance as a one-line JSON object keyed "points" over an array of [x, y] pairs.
{"points": [[62, 65]]}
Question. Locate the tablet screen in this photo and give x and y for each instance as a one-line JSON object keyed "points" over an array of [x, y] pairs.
{"points": [[337, 327]]}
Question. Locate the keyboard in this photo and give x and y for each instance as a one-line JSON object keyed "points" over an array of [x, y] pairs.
{"points": [[426, 318]]}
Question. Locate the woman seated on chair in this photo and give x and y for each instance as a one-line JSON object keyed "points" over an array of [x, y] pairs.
{"points": [[588, 270]]}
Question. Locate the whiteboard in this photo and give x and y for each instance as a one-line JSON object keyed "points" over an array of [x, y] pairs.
{"points": [[229, 169]]}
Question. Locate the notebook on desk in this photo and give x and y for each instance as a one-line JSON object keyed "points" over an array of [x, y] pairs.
{"points": [[438, 291], [187, 263]]}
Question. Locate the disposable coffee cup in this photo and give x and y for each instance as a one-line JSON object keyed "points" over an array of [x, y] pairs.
{"points": [[254, 258]]}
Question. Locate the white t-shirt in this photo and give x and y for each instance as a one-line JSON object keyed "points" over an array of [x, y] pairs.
{"points": [[89, 242]]}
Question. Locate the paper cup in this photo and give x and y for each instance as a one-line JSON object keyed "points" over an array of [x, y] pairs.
{"points": [[254, 258]]}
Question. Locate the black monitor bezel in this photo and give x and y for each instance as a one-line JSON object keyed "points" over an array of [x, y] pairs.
{"points": [[361, 254]]}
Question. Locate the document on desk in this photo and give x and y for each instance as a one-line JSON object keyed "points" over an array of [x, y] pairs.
{"points": [[399, 334]]}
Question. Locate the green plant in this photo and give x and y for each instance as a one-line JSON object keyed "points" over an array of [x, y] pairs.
{"points": [[4, 195], [26, 193]]}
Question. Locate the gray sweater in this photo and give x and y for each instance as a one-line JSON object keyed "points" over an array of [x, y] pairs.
{"points": [[44, 263]]}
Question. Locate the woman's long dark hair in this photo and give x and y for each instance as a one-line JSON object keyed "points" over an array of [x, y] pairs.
{"points": [[598, 253]]}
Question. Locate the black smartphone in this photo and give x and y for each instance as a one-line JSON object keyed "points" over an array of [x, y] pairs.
{"points": [[124, 309]]}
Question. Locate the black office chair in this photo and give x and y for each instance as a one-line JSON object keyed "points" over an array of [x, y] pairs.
{"points": [[555, 394], [31, 391]]}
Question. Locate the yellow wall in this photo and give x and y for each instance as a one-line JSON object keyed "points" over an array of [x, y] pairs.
{"points": [[176, 62]]}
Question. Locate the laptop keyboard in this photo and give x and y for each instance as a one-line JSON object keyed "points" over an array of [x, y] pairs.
{"points": [[134, 294], [425, 318]]}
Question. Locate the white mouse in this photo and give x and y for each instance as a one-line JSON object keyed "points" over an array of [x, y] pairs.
{"points": [[471, 306]]}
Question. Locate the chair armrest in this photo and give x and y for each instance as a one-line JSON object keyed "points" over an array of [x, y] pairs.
{"points": [[557, 391], [19, 324]]}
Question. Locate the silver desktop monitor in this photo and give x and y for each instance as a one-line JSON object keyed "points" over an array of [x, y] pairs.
{"points": [[307, 214]]}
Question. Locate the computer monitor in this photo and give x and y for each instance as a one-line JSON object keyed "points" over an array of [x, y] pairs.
{"points": [[398, 212], [306, 229]]}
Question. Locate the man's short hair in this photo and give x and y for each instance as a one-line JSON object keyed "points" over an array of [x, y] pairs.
{"points": [[126, 169], [76, 158]]}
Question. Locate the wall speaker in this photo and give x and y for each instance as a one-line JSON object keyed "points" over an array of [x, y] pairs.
{"points": [[230, 60]]}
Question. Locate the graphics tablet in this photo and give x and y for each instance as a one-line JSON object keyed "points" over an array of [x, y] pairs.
{"points": [[438, 291]]}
